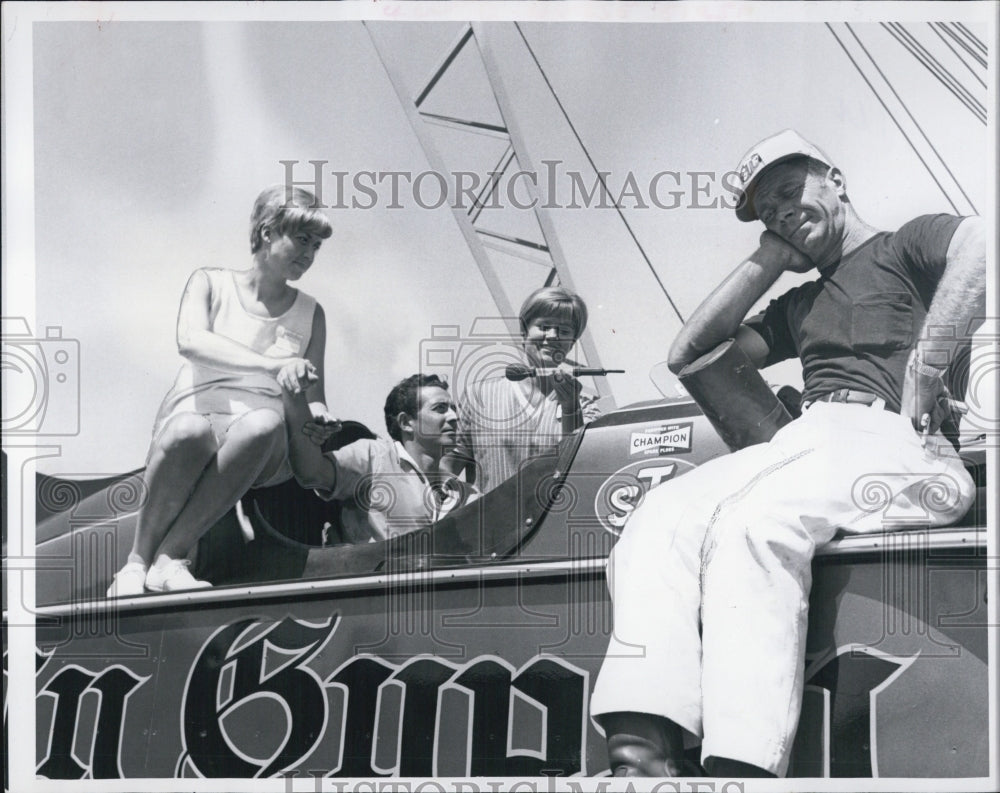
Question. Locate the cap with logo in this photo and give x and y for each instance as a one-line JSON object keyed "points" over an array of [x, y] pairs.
{"points": [[784, 146]]}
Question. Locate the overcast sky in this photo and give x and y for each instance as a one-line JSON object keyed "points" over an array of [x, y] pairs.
{"points": [[152, 139]]}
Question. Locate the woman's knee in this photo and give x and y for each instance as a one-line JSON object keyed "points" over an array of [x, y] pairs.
{"points": [[187, 433], [264, 426]]}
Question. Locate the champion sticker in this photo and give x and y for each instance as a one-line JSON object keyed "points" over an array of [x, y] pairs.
{"points": [[661, 439]]}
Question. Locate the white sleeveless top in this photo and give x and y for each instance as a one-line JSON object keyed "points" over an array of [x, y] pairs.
{"points": [[202, 389]]}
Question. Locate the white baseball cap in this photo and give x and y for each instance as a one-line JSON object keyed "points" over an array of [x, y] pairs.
{"points": [[780, 147]]}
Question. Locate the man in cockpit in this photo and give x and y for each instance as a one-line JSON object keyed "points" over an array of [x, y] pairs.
{"points": [[392, 486]]}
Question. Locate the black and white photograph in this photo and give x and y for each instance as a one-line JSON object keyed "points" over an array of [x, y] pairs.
{"points": [[500, 396]]}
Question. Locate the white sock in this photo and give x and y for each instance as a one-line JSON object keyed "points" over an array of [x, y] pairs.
{"points": [[134, 558], [162, 561]]}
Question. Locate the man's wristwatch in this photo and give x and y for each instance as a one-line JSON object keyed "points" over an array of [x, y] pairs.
{"points": [[923, 368]]}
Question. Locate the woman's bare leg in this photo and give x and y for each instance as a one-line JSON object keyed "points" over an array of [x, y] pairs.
{"points": [[254, 445], [180, 454]]}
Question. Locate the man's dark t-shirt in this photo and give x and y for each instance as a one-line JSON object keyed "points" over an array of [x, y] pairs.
{"points": [[855, 326]]}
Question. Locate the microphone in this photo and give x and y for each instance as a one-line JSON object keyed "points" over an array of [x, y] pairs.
{"points": [[518, 371]]}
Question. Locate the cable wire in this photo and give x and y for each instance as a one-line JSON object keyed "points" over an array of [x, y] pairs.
{"points": [[604, 186], [941, 68], [913, 119], [942, 74], [934, 26], [916, 49], [964, 44], [972, 37], [887, 110]]}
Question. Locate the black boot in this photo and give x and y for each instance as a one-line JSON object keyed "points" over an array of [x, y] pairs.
{"points": [[734, 769], [641, 744]]}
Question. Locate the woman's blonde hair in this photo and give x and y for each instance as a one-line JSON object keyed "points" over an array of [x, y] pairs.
{"points": [[286, 210]]}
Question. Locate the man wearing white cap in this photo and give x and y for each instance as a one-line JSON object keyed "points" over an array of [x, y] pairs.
{"points": [[711, 578]]}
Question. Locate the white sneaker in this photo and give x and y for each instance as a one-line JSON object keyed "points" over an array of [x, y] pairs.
{"points": [[129, 581], [173, 576]]}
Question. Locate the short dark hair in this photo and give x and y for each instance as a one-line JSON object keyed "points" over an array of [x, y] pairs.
{"points": [[287, 210], [403, 399], [556, 302]]}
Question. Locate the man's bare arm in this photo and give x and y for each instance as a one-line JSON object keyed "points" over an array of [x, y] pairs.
{"points": [[958, 308], [721, 314], [959, 304]]}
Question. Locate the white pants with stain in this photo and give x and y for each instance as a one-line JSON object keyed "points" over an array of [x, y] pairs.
{"points": [[710, 579]]}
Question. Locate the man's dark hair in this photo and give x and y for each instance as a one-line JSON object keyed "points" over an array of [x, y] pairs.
{"points": [[403, 399]]}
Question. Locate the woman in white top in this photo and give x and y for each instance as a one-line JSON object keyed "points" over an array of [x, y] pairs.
{"points": [[220, 431]]}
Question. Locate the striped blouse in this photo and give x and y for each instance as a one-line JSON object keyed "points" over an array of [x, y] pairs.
{"points": [[503, 423]]}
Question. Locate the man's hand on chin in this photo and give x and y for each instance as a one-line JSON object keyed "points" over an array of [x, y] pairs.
{"points": [[791, 258]]}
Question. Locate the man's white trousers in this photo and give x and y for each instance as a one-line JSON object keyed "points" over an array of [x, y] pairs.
{"points": [[710, 579]]}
